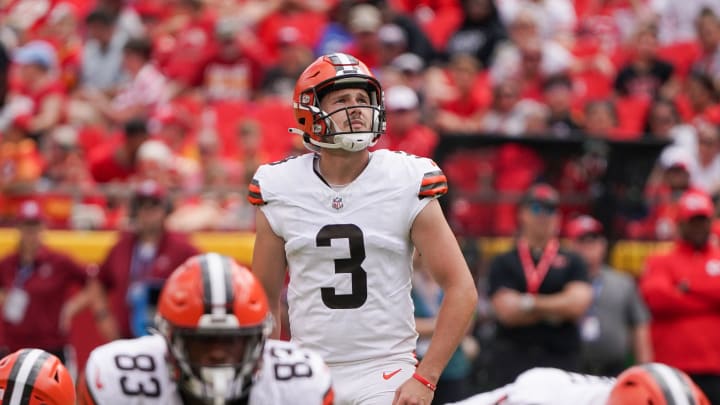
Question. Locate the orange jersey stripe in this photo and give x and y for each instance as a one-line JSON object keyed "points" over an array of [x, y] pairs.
{"points": [[254, 188], [434, 191], [329, 397], [434, 179], [254, 193]]}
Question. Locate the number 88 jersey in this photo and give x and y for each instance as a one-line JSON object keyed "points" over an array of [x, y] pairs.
{"points": [[135, 372]]}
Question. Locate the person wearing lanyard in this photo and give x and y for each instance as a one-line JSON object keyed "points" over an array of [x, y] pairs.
{"points": [[615, 330], [35, 282], [538, 291], [140, 261]]}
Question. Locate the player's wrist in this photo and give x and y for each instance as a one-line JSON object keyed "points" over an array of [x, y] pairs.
{"points": [[424, 381]]}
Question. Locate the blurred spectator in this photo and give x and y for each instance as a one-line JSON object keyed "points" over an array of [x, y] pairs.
{"points": [[37, 79], [65, 165], [677, 20], [20, 160], [37, 289], [556, 18], [539, 292], [480, 32], [421, 36], [666, 184], [682, 289], [102, 59], [645, 76], [230, 74], [336, 35], [460, 93], [557, 95], [61, 29], [700, 99], [250, 137], [393, 43], [508, 114], [664, 123], [364, 22], [526, 56], [600, 120], [405, 132], [155, 161], [708, 29], [410, 70], [146, 89], [615, 328], [279, 79], [117, 161], [438, 19], [127, 17], [705, 174], [143, 257]]}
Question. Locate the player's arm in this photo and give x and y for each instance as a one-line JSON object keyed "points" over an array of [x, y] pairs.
{"points": [[269, 264], [508, 307], [441, 255]]}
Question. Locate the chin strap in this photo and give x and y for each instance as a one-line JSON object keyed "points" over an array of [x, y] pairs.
{"points": [[349, 141]]}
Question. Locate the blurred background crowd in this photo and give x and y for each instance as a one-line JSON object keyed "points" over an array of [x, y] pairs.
{"points": [[151, 116]]}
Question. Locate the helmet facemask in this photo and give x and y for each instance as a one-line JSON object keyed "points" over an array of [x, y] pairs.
{"points": [[216, 365], [324, 128]]}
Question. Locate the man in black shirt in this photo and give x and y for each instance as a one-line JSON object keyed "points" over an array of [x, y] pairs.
{"points": [[538, 291]]}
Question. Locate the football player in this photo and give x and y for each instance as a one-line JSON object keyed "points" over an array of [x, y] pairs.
{"points": [[210, 348], [35, 377], [344, 222], [651, 383]]}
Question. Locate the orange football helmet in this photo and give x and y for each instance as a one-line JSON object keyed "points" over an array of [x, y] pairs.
{"points": [[329, 73], [215, 317], [655, 384], [35, 377]]}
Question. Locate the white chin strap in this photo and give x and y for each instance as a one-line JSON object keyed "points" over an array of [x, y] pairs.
{"points": [[351, 142], [218, 383]]}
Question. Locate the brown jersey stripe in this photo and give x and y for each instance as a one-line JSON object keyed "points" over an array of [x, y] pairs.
{"points": [[434, 179], [429, 186], [435, 191], [254, 193]]}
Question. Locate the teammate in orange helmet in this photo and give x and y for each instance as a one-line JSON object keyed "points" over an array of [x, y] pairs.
{"points": [[647, 384], [35, 377], [345, 222], [210, 347]]}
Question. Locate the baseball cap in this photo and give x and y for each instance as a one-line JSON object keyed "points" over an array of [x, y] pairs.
{"points": [[694, 203], [398, 98], [30, 212], [408, 63], [541, 193], [36, 53], [676, 157], [582, 226]]}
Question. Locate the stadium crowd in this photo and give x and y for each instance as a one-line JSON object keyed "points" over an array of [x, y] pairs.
{"points": [[112, 110]]}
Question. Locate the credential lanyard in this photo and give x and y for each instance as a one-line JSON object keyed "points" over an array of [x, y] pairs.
{"points": [[534, 276], [23, 274]]}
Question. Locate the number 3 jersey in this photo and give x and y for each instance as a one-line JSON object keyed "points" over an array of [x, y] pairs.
{"points": [[135, 372], [349, 251]]}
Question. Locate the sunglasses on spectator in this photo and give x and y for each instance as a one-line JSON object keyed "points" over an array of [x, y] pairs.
{"points": [[537, 208]]}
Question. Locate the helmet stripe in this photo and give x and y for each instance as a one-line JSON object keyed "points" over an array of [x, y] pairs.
{"points": [[23, 375], [217, 276], [229, 293], [670, 385], [207, 290], [686, 388]]}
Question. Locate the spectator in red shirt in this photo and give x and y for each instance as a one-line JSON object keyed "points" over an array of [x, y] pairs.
{"points": [[682, 290], [113, 162], [364, 22], [404, 130], [37, 79], [708, 30], [35, 286], [141, 260]]}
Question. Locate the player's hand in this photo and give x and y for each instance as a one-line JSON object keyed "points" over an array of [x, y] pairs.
{"points": [[413, 392]]}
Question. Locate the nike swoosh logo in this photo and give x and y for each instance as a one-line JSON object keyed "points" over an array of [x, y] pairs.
{"points": [[387, 376]]}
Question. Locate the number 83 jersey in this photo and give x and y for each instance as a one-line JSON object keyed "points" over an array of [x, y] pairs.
{"points": [[136, 372], [349, 251]]}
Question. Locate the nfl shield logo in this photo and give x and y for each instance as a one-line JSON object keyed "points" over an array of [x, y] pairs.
{"points": [[337, 202]]}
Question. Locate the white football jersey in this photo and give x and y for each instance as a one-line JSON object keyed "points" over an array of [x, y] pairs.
{"points": [[349, 251], [135, 372], [548, 386]]}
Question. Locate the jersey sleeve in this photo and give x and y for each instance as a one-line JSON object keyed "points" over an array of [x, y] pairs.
{"points": [[290, 372], [434, 183], [255, 192]]}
